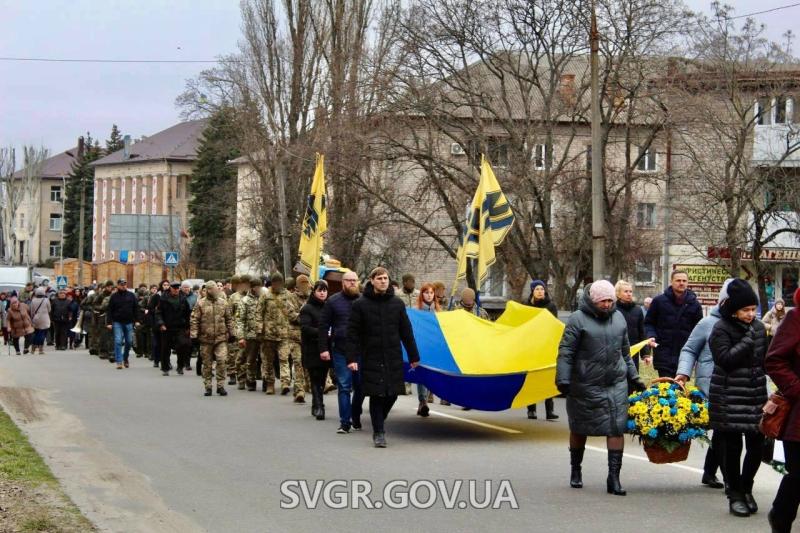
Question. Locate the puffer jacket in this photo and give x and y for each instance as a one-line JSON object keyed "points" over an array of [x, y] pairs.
{"points": [[211, 321], [739, 384], [19, 320], [696, 353], [634, 317], [594, 361], [671, 323], [378, 325]]}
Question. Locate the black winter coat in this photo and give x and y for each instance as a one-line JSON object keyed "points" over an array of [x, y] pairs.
{"points": [[634, 316], [378, 323], [173, 312], [594, 360], [309, 333], [546, 303], [60, 311], [671, 325], [738, 385]]}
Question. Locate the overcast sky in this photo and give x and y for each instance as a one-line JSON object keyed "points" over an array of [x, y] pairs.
{"points": [[51, 104]]}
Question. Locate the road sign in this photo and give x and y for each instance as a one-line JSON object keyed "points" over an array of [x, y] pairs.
{"points": [[124, 256], [61, 282], [171, 258]]}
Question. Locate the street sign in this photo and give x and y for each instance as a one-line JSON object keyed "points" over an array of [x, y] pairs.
{"points": [[171, 258], [61, 282], [124, 256]]}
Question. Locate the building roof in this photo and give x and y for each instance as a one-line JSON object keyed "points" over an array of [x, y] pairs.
{"points": [[58, 166], [177, 143]]}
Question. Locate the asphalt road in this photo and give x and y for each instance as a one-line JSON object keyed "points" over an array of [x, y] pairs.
{"points": [[139, 451]]}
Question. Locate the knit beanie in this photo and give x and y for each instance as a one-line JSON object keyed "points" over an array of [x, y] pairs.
{"points": [[602, 290], [723, 292], [740, 295], [536, 283]]}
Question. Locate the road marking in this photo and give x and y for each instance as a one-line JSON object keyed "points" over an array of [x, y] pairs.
{"points": [[477, 423], [646, 460]]}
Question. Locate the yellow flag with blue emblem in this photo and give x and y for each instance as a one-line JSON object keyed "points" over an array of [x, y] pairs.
{"points": [[315, 222], [489, 221]]}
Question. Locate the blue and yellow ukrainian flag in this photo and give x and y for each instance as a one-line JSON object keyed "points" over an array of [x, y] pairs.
{"points": [[489, 221], [315, 222]]}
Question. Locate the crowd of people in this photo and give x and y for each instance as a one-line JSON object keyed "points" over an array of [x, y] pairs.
{"points": [[248, 329]]}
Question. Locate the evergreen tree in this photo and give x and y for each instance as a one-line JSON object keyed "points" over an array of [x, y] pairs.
{"points": [[212, 207], [115, 142], [81, 173]]}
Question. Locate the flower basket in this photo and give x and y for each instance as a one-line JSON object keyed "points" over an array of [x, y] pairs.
{"points": [[661, 456], [667, 417]]}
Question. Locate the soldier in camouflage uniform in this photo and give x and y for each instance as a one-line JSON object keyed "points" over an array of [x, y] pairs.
{"points": [[279, 311], [102, 338], [211, 324], [240, 284], [248, 332]]}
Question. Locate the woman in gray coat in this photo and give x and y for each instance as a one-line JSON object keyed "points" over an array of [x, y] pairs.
{"points": [[595, 372]]}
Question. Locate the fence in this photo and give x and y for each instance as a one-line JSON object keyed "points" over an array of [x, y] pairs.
{"points": [[148, 272]]}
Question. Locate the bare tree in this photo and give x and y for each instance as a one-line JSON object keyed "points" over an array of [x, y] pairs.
{"points": [[21, 189]]}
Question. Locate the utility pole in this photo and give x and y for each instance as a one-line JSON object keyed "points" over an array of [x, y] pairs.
{"points": [[281, 176], [598, 218], [169, 210], [81, 235]]}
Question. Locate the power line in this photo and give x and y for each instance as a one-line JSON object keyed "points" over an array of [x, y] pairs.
{"points": [[762, 12], [77, 60]]}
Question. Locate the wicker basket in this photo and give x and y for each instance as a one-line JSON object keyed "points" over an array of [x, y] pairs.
{"points": [[660, 456]]}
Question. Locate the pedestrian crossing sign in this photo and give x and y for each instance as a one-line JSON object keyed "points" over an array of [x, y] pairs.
{"points": [[171, 258], [61, 282]]}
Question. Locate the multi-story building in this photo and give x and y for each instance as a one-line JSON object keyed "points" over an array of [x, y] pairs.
{"points": [[39, 226], [141, 192]]}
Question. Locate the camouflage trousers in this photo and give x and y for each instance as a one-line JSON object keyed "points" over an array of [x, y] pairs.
{"points": [[287, 349], [269, 349], [209, 352], [233, 358], [102, 340], [246, 364]]}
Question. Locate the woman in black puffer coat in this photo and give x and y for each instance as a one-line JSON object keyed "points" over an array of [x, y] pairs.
{"points": [[309, 337], [738, 392], [594, 370], [378, 324]]}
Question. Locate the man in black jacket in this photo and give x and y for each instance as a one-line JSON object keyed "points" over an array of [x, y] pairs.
{"points": [[172, 320], [671, 318], [378, 324], [120, 317]]}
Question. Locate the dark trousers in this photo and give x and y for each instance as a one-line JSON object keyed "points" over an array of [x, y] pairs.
{"points": [[666, 373], [379, 407], [738, 474], [15, 342], [549, 405], [155, 353], [317, 377], [178, 341], [713, 455], [784, 508], [61, 335]]}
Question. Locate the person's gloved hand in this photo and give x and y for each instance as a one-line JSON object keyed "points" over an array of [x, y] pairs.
{"points": [[563, 388], [637, 384]]}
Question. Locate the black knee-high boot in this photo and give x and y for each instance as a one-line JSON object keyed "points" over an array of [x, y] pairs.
{"points": [[614, 466], [316, 395], [575, 460]]}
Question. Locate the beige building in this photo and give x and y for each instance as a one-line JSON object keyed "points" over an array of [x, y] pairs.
{"points": [[136, 189], [39, 228]]}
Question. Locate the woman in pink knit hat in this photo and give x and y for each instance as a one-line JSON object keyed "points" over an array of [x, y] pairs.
{"points": [[595, 372]]}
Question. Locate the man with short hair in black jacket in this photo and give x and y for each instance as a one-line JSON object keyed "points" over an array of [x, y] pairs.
{"points": [[120, 317], [670, 320], [172, 320]]}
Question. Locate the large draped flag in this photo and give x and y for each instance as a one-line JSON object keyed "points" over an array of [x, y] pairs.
{"points": [[485, 365], [489, 220], [315, 222]]}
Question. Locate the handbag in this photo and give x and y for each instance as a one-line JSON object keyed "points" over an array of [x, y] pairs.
{"points": [[773, 419]]}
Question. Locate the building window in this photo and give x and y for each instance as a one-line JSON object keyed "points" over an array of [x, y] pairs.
{"points": [[179, 187], [22, 220], [55, 222], [762, 111], [495, 284], [647, 160], [646, 215], [496, 152], [645, 271], [55, 193], [540, 156], [55, 248], [781, 110]]}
